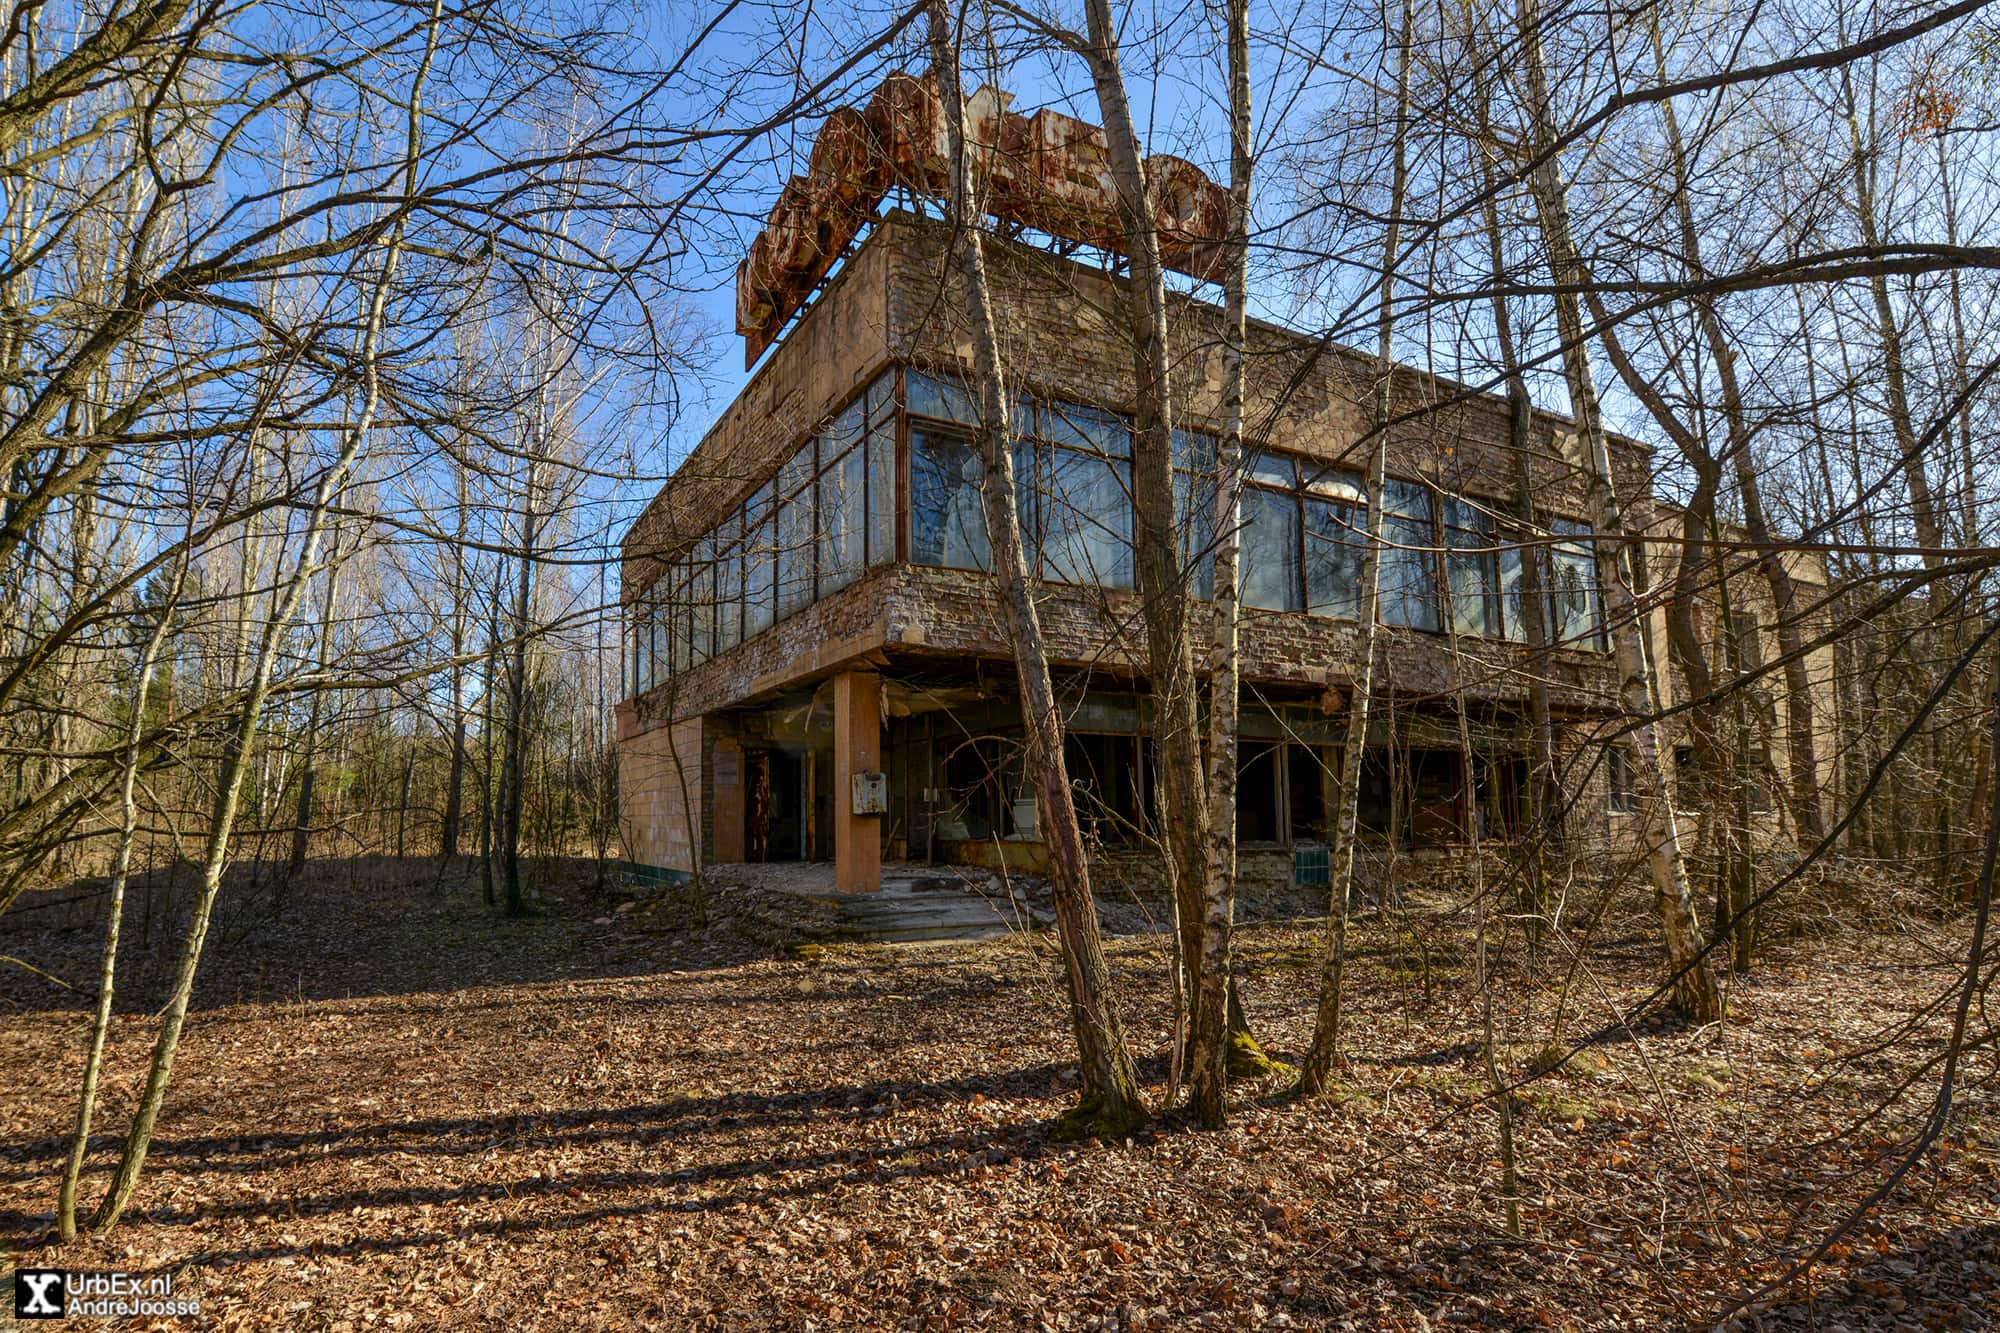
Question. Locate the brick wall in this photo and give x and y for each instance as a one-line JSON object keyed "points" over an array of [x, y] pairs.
{"points": [[651, 809]]}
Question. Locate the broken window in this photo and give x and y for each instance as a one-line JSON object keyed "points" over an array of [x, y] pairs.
{"points": [[1575, 615], [1336, 531], [1108, 783], [1436, 781], [947, 524], [1500, 787], [979, 789], [1375, 805], [1311, 790]]}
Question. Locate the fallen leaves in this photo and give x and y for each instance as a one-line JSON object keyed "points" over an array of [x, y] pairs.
{"points": [[547, 1126]]}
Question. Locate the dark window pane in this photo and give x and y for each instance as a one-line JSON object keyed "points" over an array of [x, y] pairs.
{"points": [[1257, 805], [1311, 791], [1086, 428], [882, 493], [1336, 537], [1087, 520], [1270, 569], [795, 534], [841, 519], [930, 396], [947, 526]]}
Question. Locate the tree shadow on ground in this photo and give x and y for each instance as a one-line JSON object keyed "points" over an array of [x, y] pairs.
{"points": [[667, 1124], [1948, 1279]]}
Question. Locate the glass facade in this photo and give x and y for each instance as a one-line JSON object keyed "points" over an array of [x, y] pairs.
{"points": [[834, 508]]}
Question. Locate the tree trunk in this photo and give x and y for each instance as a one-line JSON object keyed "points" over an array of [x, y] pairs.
{"points": [[1316, 1074], [1694, 988], [1183, 808], [1210, 1035], [242, 743], [1110, 1103], [309, 768], [114, 912], [1546, 800]]}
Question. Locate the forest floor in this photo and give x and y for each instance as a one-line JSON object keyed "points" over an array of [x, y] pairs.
{"points": [[394, 1109]]}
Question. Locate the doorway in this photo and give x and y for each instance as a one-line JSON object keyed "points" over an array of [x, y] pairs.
{"points": [[774, 805]]}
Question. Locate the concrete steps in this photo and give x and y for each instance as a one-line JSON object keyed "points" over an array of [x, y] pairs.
{"points": [[933, 907]]}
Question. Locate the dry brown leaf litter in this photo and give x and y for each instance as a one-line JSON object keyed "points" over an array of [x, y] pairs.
{"points": [[393, 1111]]}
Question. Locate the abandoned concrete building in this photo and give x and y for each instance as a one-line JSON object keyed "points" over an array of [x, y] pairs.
{"points": [[815, 664]]}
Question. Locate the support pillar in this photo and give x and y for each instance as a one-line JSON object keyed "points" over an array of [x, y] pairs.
{"points": [[857, 748]]}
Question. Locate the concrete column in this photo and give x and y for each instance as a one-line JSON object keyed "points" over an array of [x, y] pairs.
{"points": [[857, 748]]}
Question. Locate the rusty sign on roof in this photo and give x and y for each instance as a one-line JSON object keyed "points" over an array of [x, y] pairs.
{"points": [[1048, 171]]}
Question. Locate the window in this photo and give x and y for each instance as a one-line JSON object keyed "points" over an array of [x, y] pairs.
{"points": [[843, 516], [1624, 792], [1575, 616], [881, 475], [947, 525], [1311, 790], [1269, 571], [944, 400], [1408, 575], [1108, 780], [1258, 804], [641, 633], [660, 614], [1471, 568], [1084, 518], [759, 563], [1336, 528], [795, 532], [1194, 500], [678, 579], [701, 602], [1514, 624], [729, 583]]}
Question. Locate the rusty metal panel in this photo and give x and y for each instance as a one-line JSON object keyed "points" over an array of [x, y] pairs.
{"points": [[1049, 171]]}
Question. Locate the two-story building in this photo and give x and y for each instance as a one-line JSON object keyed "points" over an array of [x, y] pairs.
{"points": [[816, 666]]}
